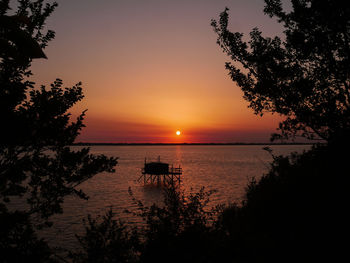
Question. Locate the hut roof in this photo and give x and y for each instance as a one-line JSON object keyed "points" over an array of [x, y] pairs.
{"points": [[156, 168]]}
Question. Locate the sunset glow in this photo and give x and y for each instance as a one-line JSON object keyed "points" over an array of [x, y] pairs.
{"points": [[148, 66], [178, 133]]}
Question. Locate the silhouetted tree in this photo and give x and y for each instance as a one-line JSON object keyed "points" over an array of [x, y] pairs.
{"points": [[37, 166], [106, 240], [305, 75], [181, 230], [295, 212]]}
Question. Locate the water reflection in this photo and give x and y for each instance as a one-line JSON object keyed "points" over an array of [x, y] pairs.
{"points": [[226, 169], [152, 193], [178, 154]]}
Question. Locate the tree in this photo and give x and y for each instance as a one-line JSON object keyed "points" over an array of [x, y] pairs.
{"points": [[182, 229], [304, 76], [106, 240], [294, 212], [37, 166]]}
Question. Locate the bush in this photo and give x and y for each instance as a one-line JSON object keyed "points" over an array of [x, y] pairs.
{"points": [[293, 212], [106, 240], [179, 231]]}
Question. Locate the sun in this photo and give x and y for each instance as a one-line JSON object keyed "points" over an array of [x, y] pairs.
{"points": [[178, 133]]}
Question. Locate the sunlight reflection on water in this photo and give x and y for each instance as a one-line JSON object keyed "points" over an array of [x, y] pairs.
{"points": [[225, 168]]}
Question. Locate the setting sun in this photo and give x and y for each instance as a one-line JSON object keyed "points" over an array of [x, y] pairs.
{"points": [[178, 133]]}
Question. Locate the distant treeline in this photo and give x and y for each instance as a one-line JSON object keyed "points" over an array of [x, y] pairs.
{"points": [[146, 144]]}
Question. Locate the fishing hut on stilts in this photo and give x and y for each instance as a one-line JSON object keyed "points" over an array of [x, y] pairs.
{"points": [[158, 172]]}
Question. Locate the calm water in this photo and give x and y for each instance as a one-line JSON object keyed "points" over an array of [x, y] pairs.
{"points": [[226, 169]]}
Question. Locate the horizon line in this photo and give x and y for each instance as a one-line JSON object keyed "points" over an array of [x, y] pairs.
{"points": [[184, 143]]}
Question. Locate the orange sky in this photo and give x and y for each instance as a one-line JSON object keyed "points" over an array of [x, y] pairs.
{"points": [[151, 67]]}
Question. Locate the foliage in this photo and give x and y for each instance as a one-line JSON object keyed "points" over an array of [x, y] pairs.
{"points": [[37, 166], [296, 211], [181, 230], [18, 241], [106, 240], [303, 76]]}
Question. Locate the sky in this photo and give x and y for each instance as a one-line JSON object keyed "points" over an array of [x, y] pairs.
{"points": [[152, 67]]}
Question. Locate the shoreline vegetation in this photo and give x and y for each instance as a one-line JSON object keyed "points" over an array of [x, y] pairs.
{"points": [[185, 144]]}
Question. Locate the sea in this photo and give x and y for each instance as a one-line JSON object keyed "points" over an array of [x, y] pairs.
{"points": [[227, 169]]}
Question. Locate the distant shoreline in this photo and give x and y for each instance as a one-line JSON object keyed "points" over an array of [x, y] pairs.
{"points": [[169, 144]]}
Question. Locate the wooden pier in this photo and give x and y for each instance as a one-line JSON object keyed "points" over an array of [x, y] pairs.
{"points": [[158, 173]]}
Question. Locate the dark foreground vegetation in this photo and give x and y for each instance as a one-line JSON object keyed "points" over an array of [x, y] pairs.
{"points": [[297, 212], [294, 213]]}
